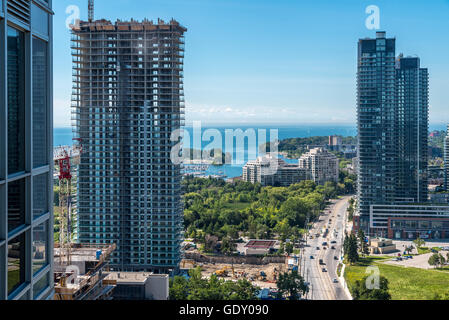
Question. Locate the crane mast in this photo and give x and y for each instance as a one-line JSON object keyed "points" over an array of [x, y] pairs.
{"points": [[91, 10]]}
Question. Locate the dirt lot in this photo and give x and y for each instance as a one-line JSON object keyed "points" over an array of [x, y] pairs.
{"points": [[250, 272]]}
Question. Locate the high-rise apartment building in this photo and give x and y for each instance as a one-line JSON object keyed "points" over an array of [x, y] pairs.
{"points": [[270, 171], [376, 121], [446, 160], [412, 94], [392, 114], [322, 165], [128, 99], [26, 137]]}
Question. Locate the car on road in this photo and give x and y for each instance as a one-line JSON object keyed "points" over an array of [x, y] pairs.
{"points": [[335, 280], [323, 270]]}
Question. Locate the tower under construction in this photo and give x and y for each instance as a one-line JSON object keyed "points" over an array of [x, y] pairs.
{"points": [[127, 100]]}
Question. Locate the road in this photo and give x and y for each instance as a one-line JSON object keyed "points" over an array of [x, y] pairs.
{"points": [[322, 286]]}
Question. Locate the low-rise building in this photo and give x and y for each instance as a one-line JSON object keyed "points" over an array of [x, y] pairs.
{"points": [[139, 285], [409, 221], [260, 247], [381, 246]]}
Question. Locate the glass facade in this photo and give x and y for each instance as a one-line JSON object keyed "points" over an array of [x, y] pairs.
{"points": [[40, 247], [40, 102], [26, 214], [16, 101], [40, 195], [41, 285], [392, 123], [16, 204], [16, 262], [127, 100]]}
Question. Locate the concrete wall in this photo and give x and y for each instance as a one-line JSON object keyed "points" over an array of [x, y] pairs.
{"points": [[237, 259], [156, 287]]}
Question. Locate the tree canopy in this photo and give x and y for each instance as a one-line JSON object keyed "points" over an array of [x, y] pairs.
{"points": [[215, 207], [197, 288]]}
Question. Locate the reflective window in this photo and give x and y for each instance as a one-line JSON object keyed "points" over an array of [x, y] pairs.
{"points": [[16, 204], [40, 82], [41, 285], [40, 195], [16, 262], [437, 224], [39, 20], [40, 247], [16, 101], [424, 224]]}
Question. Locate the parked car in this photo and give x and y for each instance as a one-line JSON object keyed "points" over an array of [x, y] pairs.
{"points": [[323, 270], [335, 280], [335, 258], [311, 257]]}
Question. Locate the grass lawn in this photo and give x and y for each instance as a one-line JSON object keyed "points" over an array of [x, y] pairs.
{"points": [[404, 283], [236, 205], [423, 250]]}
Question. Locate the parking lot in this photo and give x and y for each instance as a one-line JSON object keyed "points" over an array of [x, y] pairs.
{"points": [[418, 261]]}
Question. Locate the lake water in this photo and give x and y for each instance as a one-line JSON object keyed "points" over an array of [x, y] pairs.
{"points": [[63, 136]]}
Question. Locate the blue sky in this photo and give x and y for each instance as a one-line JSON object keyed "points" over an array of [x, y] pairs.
{"points": [[274, 61]]}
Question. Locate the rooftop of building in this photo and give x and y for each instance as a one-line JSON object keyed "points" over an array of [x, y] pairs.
{"points": [[84, 252], [133, 277], [131, 25], [261, 244], [68, 269]]}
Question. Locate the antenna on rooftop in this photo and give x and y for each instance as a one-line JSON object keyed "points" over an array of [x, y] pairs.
{"points": [[91, 10]]}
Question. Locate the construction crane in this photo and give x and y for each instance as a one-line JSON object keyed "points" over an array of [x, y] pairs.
{"points": [[62, 157], [91, 10]]}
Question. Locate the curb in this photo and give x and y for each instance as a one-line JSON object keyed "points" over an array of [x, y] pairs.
{"points": [[343, 282]]}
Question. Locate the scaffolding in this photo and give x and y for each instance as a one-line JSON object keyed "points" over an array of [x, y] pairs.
{"points": [[127, 99], [85, 278]]}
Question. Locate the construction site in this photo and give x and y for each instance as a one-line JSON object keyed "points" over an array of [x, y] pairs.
{"points": [[263, 275], [80, 272]]}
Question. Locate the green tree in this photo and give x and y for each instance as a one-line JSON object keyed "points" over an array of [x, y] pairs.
{"points": [[351, 249], [197, 288], [361, 292], [363, 246], [227, 246], [436, 260], [241, 290], [292, 285], [289, 247], [419, 242], [409, 249]]}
